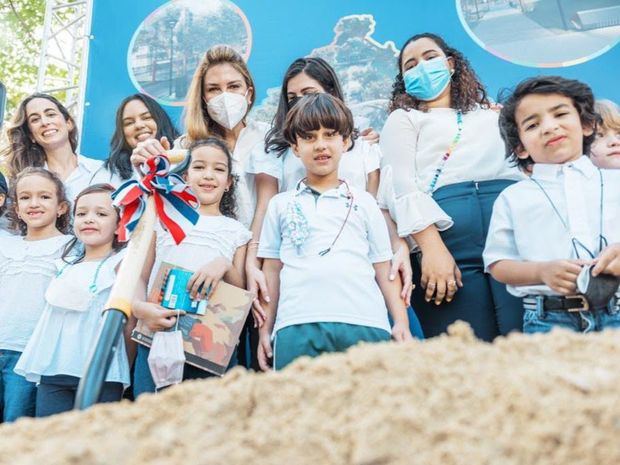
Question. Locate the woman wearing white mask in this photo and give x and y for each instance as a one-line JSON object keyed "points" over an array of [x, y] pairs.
{"points": [[220, 96], [442, 169]]}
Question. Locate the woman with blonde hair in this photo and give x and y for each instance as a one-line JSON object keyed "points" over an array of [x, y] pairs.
{"points": [[219, 99]]}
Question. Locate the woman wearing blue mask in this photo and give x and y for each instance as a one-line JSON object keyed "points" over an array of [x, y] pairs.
{"points": [[443, 168]]}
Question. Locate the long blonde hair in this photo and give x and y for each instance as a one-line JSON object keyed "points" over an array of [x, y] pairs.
{"points": [[198, 124]]}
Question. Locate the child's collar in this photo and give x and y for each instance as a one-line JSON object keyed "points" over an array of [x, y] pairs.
{"points": [[552, 171], [342, 190]]}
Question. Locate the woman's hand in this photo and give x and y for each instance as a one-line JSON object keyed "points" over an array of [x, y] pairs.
{"points": [[401, 264], [370, 135], [440, 276], [208, 277], [148, 149], [264, 353], [257, 285], [155, 317]]}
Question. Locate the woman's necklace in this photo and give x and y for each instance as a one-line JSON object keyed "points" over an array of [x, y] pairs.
{"points": [[444, 159]]}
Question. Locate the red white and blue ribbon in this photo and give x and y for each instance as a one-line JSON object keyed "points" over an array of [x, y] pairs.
{"points": [[175, 203]]}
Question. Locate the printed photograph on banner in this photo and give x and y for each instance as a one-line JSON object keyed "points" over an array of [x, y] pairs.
{"points": [[169, 43], [542, 33]]}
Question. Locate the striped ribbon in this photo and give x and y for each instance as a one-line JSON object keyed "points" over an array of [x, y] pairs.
{"points": [[175, 203]]}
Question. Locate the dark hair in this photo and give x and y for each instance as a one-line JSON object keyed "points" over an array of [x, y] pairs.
{"points": [[228, 204], [466, 90], [3, 191], [319, 70], [63, 222], [21, 152], [315, 111], [118, 161], [74, 242], [580, 94]]}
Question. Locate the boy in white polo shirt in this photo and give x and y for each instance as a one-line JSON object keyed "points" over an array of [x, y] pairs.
{"points": [[547, 228], [326, 250]]}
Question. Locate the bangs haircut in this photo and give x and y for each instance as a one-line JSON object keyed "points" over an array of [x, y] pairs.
{"points": [[315, 111]]}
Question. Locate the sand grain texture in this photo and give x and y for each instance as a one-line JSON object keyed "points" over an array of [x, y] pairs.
{"points": [[550, 399]]}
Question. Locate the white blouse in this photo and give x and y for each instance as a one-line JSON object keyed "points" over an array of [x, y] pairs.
{"points": [[88, 172], [63, 338], [212, 237], [355, 165], [413, 144], [26, 268], [245, 189]]}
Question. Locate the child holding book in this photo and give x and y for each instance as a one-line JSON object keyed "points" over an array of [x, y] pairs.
{"points": [[58, 350], [26, 268], [213, 250], [547, 228], [326, 250]]}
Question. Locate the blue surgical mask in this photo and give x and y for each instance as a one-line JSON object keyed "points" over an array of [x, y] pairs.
{"points": [[428, 79]]}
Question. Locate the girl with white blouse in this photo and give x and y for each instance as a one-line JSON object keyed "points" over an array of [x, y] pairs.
{"points": [[26, 268], [443, 168], [58, 350], [213, 250]]}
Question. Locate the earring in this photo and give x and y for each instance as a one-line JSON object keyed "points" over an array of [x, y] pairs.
{"points": [[226, 189]]}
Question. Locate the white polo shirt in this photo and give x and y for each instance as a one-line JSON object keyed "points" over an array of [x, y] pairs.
{"points": [[525, 227], [339, 286]]}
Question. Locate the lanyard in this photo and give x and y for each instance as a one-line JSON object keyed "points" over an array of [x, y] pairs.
{"points": [[446, 156], [93, 285], [574, 241]]}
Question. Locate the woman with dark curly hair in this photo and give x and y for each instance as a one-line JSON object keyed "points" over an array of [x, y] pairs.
{"points": [[442, 170]]}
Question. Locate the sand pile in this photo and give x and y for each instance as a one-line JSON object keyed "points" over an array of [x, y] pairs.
{"points": [[452, 400]]}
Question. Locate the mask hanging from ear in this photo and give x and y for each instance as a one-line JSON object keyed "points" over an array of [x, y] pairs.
{"points": [[428, 79], [228, 109]]}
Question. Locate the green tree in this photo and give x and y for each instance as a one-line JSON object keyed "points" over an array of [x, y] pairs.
{"points": [[21, 27]]}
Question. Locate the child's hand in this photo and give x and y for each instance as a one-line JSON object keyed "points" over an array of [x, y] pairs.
{"points": [[257, 285], [264, 352], [155, 317], [208, 277], [561, 275], [402, 264], [608, 261], [401, 333]]}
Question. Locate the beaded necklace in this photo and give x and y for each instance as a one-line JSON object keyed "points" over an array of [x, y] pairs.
{"points": [[444, 159]]}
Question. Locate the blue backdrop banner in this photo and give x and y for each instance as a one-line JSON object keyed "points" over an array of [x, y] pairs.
{"points": [[154, 46]]}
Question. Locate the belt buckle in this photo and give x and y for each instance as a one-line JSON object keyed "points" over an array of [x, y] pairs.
{"points": [[584, 302]]}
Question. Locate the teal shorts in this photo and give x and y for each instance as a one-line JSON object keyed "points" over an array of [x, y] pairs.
{"points": [[314, 339]]}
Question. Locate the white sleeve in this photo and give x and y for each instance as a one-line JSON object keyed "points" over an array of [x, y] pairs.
{"points": [[263, 162], [271, 233], [243, 236], [380, 249], [372, 156], [412, 209], [500, 243]]}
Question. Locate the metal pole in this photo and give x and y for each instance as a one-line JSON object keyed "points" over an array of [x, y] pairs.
{"points": [[100, 359]]}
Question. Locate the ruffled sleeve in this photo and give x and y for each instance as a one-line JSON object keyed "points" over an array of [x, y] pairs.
{"points": [[243, 236], [412, 209], [263, 162]]}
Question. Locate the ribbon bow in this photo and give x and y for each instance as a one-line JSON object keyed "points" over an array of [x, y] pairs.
{"points": [[175, 203]]}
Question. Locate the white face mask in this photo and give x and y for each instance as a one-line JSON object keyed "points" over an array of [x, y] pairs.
{"points": [[166, 358], [227, 109]]}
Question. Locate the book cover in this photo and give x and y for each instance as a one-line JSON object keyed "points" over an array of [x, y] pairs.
{"points": [[210, 334]]}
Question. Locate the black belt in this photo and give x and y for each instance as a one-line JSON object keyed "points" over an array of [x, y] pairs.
{"points": [[572, 303]]}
